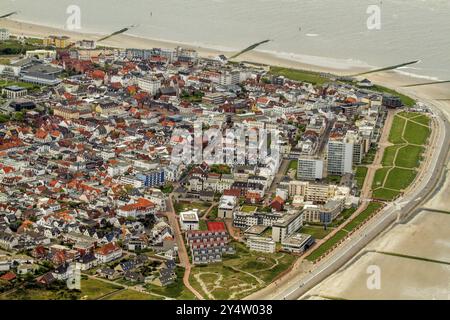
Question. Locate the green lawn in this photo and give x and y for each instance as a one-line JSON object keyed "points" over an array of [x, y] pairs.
{"points": [[371, 208], [399, 179], [343, 216], [389, 155], [26, 85], [409, 156], [299, 75], [360, 176], [318, 232], [175, 290], [240, 274], [247, 208], [92, 289], [408, 115], [385, 194], [186, 206], [327, 245], [400, 160], [203, 225], [380, 175], [293, 165], [396, 133], [422, 119], [132, 295], [416, 133]]}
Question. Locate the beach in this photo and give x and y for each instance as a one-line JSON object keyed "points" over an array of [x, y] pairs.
{"points": [[391, 79]]}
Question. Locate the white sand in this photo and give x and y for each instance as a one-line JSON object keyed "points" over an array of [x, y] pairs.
{"points": [[400, 279], [426, 236]]}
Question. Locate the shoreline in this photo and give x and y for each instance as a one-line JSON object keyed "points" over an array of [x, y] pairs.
{"points": [[260, 56]]}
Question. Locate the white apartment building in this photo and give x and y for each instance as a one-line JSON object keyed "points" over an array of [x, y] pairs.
{"points": [[4, 34], [287, 225], [150, 85], [310, 168], [41, 54], [340, 156], [226, 208], [261, 244], [229, 78]]}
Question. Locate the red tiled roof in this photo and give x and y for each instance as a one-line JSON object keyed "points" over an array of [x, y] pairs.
{"points": [[8, 276]]}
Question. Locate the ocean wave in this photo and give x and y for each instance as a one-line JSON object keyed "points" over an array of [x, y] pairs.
{"points": [[415, 75], [327, 62]]}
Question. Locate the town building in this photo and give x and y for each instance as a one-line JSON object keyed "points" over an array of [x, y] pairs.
{"points": [[189, 220], [297, 243], [14, 92], [287, 225], [261, 244]]}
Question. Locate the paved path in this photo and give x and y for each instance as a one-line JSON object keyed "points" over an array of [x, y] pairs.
{"points": [[182, 252]]}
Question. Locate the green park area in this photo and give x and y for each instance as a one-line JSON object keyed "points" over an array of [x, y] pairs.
{"points": [[128, 294], [248, 208], [239, 274], [360, 176], [176, 290], [186, 206], [299, 75], [91, 289], [401, 160]]}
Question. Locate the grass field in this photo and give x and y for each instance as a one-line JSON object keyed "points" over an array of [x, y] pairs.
{"points": [[355, 222], [409, 156], [247, 208], [399, 179], [416, 133], [396, 133], [91, 289], [132, 295], [385, 194], [185, 206], [317, 253], [371, 208], [176, 290], [26, 85], [293, 165], [240, 274], [422, 120], [317, 232], [389, 155], [400, 161], [299, 75], [360, 176], [379, 178]]}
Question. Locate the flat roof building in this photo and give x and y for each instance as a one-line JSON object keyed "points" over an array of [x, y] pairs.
{"points": [[261, 244], [297, 243], [189, 220]]}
